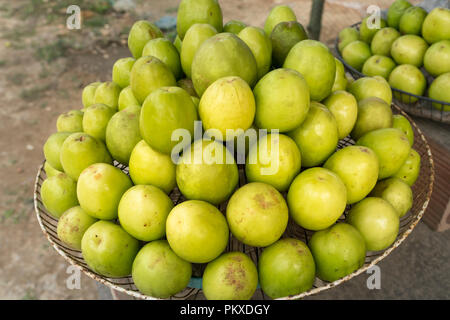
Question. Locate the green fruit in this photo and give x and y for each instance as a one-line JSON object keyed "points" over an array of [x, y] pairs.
{"points": [[159, 272], [377, 221], [261, 47], [148, 166], [196, 102], [440, 90], [95, 120], [383, 40], [278, 14], [284, 36], [436, 26], [143, 211], [257, 214], [100, 188], [89, 94], [396, 192], [127, 99], [191, 12], [122, 133], [409, 49], [149, 74], [338, 251], [317, 198], [227, 104], [194, 38], [232, 276], [371, 87], [282, 100], [358, 169], [178, 43], [411, 21], [223, 55], [108, 249], [59, 194], [401, 123], [204, 233], [317, 137], [356, 53], [344, 108], [79, 151], [187, 85], [391, 147], [50, 171], [142, 32], [108, 93], [437, 58], [367, 31], [319, 75], [234, 26], [274, 160], [165, 51], [72, 225], [340, 80], [346, 36], [396, 11], [121, 71], [286, 268], [164, 111], [373, 113], [205, 165], [378, 66], [410, 79], [52, 149], [410, 170], [71, 121]]}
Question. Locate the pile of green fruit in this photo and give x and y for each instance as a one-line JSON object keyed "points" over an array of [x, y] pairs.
{"points": [[274, 79], [411, 46]]}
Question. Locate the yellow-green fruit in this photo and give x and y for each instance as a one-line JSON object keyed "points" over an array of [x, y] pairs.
{"points": [[391, 147], [338, 251], [436, 26], [108, 249], [95, 120], [358, 169], [59, 194], [191, 12], [395, 191], [234, 26], [71, 121], [232, 276], [377, 221], [164, 111], [346, 36], [79, 151], [206, 165], [409, 49], [410, 170], [100, 188], [371, 87], [344, 108], [369, 28], [52, 149], [356, 53], [396, 11], [274, 160], [383, 40], [50, 171], [178, 43], [228, 104], [148, 166], [142, 32], [72, 225], [196, 102], [143, 211], [127, 99], [108, 93], [278, 14], [89, 94], [340, 80], [317, 137], [158, 272], [437, 58], [286, 268], [193, 39], [187, 85], [373, 113], [440, 90], [283, 37], [411, 21], [165, 51], [378, 66], [317, 198], [257, 214], [401, 123], [223, 55], [316, 63], [410, 79], [282, 100], [197, 231], [121, 71], [149, 74], [122, 133], [261, 47]]}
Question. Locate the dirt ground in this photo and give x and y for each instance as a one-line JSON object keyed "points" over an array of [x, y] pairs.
{"points": [[43, 68]]}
